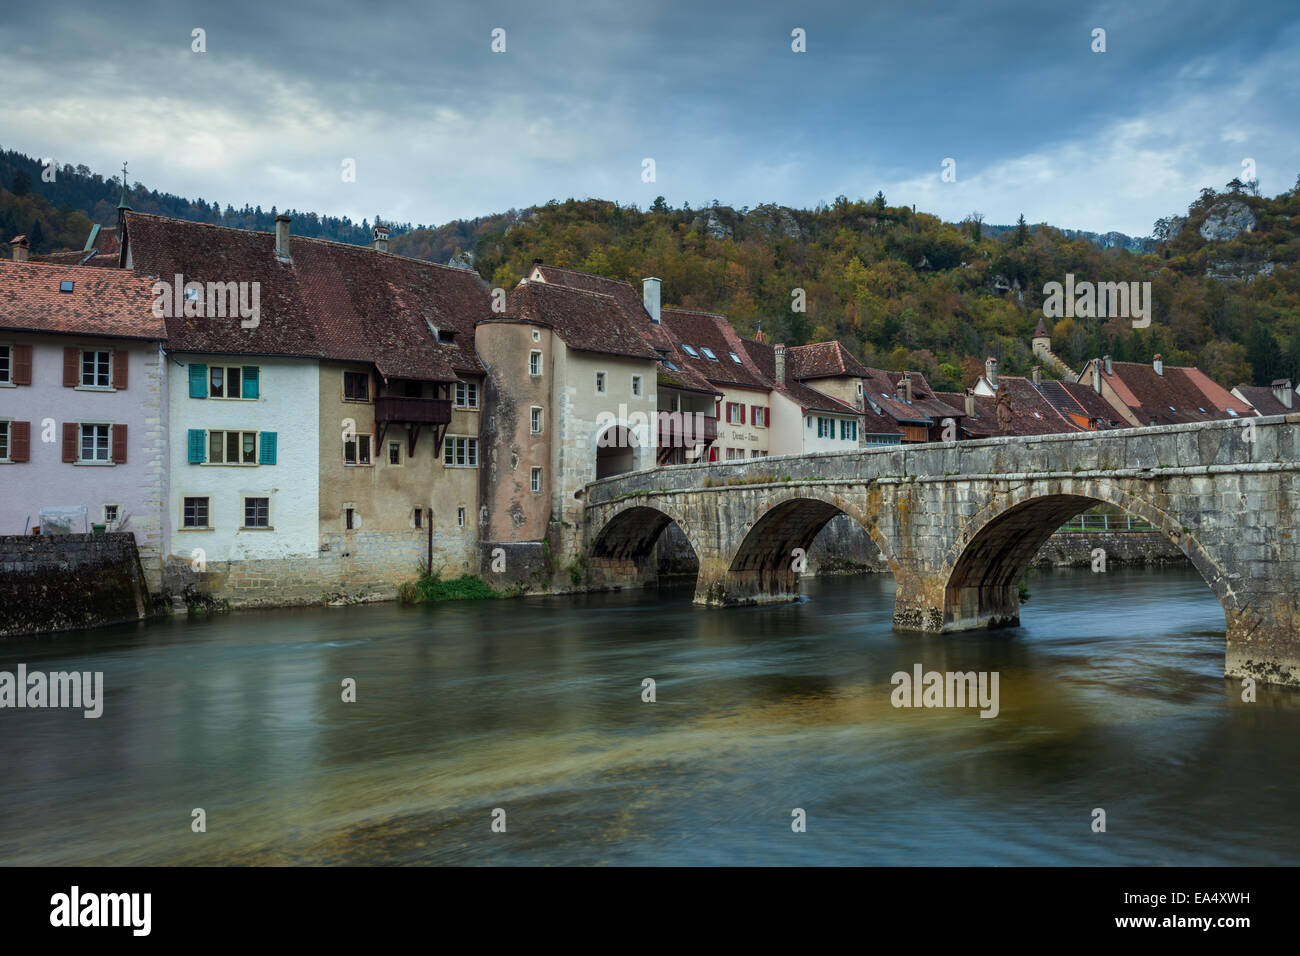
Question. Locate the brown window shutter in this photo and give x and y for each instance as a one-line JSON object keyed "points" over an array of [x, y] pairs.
{"points": [[69, 441], [119, 444], [22, 370], [20, 441], [120, 357], [71, 368]]}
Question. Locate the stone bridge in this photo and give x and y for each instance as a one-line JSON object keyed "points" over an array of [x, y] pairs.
{"points": [[959, 522]]}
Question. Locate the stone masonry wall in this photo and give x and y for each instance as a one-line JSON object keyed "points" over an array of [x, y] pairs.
{"points": [[60, 582]]}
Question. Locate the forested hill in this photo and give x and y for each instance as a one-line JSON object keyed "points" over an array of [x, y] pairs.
{"points": [[902, 288], [58, 214]]}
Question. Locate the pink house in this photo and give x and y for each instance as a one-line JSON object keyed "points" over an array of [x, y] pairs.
{"points": [[82, 401]]}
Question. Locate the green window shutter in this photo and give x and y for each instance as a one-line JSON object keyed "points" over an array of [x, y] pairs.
{"points": [[198, 381], [266, 456], [251, 380], [198, 444]]}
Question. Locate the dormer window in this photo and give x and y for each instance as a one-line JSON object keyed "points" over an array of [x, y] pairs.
{"points": [[690, 351]]}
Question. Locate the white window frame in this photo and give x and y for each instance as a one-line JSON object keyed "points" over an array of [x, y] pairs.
{"points": [[602, 382], [7, 434], [467, 395], [207, 447], [460, 517], [7, 349], [449, 446], [535, 363], [81, 369], [225, 383], [104, 514], [636, 385], [535, 480], [81, 443], [536, 421]]}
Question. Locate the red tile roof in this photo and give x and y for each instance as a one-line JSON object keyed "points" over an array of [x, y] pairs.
{"points": [[1265, 402], [332, 300], [822, 360], [104, 303], [586, 321], [712, 331], [762, 356], [1179, 395]]}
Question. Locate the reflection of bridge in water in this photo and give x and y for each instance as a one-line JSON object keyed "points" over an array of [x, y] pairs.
{"points": [[958, 523]]}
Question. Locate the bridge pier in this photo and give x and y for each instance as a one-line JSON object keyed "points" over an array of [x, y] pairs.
{"points": [[756, 586]]}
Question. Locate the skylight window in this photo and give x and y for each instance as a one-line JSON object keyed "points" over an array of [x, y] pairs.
{"points": [[690, 351], [708, 354], [735, 358], [670, 366], [65, 285], [1232, 412]]}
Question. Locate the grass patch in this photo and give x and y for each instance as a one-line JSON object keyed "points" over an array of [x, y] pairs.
{"points": [[431, 588]]}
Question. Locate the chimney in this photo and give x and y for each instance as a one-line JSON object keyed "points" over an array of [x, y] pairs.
{"points": [[282, 237], [381, 238], [650, 298], [970, 403], [907, 387], [778, 351], [1096, 376], [1283, 393], [991, 370], [1158, 363], [20, 248], [1110, 368], [1038, 375]]}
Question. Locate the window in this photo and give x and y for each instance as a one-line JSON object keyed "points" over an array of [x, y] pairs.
{"points": [[95, 369], [95, 443], [111, 513], [537, 335], [4, 441], [6, 366], [257, 512], [735, 453], [239, 382], [758, 416], [670, 366], [534, 362], [848, 430], [194, 513], [356, 451], [460, 517], [66, 285], [232, 448], [690, 351], [356, 386], [536, 480], [535, 420], [467, 395], [825, 428], [419, 517], [395, 454], [735, 413], [708, 354], [758, 453], [348, 518], [460, 452], [446, 336], [735, 358], [600, 381], [636, 384]]}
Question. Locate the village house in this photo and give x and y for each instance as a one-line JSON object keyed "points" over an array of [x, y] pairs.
{"points": [[82, 399], [329, 443], [1278, 398]]}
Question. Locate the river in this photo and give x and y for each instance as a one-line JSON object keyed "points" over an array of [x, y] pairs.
{"points": [[1111, 697]]}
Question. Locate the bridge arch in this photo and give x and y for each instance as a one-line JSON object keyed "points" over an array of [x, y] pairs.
{"points": [[621, 549], [986, 563], [762, 568]]}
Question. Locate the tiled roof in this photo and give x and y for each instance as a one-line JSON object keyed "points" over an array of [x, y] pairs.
{"points": [[1031, 412], [658, 337], [107, 303], [1265, 402], [586, 321], [881, 387], [709, 330], [822, 360], [332, 300], [762, 356], [1093, 405], [1179, 395], [984, 424]]}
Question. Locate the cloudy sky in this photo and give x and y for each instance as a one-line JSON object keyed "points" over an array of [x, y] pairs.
{"points": [[441, 127]]}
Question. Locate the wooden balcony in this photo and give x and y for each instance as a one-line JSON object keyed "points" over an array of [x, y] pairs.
{"points": [[400, 410], [685, 430]]}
